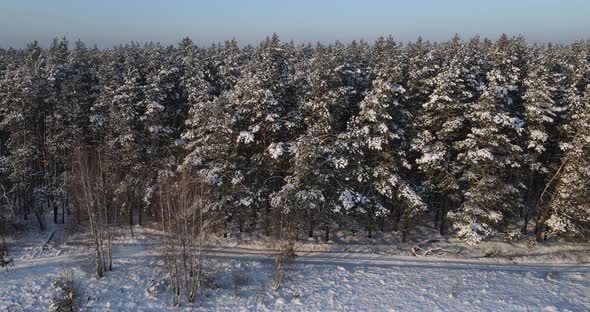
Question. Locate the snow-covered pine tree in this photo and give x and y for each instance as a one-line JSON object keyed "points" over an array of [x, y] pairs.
{"points": [[539, 117], [209, 137], [120, 119], [163, 117], [577, 76], [384, 49], [491, 154], [57, 143], [266, 118], [311, 191], [374, 147], [79, 94], [569, 209], [227, 62], [25, 90], [567, 212], [4, 60], [15, 169], [423, 62], [441, 123]]}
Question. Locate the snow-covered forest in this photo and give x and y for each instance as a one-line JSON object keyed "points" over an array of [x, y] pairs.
{"points": [[476, 138], [369, 136]]}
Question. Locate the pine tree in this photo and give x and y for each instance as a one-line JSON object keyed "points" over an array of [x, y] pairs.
{"points": [[569, 213], [266, 117], [57, 142], [310, 192], [539, 116], [119, 123], [25, 90], [566, 214], [491, 154], [209, 136], [442, 123], [374, 146]]}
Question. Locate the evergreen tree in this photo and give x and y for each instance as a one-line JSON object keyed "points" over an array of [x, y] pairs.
{"points": [[310, 191], [569, 213], [539, 116], [266, 117], [374, 146], [441, 124], [491, 154]]}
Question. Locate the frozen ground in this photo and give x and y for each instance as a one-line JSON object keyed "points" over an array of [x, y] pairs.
{"points": [[328, 280]]}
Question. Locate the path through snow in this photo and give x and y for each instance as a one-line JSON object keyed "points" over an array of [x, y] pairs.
{"points": [[327, 281]]}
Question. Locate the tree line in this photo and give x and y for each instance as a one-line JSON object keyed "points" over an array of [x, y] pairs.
{"points": [[481, 135]]}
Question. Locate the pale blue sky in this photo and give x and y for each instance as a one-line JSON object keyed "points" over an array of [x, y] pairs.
{"points": [[109, 22]]}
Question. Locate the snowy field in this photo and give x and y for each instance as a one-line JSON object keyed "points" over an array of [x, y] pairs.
{"points": [[329, 280]]}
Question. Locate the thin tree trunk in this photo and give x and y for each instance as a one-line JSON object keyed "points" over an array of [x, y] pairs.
{"points": [[267, 221], [140, 211], [524, 229], [39, 216], [443, 217], [436, 218], [544, 214], [63, 209], [131, 216], [55, 209]]}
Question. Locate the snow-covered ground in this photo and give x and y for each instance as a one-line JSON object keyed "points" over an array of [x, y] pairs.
{"points": [[326, 280]]}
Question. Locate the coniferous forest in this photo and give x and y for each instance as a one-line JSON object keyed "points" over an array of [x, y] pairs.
{"points": [[475, 136]]}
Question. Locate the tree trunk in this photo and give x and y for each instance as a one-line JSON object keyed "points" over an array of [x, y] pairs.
{"points": [[443, 216], [225, 226], [540, 228], [404, 235], [68, 205], [267, 220], [63, 209], [253, 219], [96, 241], [436, 218], [397, 216], [130, 215], [140, 208], [55, 209], [38, 213], [526, 224], [21, 203]]}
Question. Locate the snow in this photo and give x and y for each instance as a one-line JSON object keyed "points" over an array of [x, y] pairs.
{"points": [[276, 150], [340, 163], [375, 143], [560, 225], [246, 201], [538, 135], [428, 158], [246, 137], [342, 277]]}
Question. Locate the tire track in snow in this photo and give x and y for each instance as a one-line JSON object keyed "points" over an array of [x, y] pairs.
{"points": [[375, 260]]}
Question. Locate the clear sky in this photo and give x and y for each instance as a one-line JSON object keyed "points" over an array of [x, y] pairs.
{"points": [[110, 22]]}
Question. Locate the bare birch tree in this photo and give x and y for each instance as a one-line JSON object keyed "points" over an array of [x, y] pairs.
{"points": [[186, 215], [92, 192]]}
